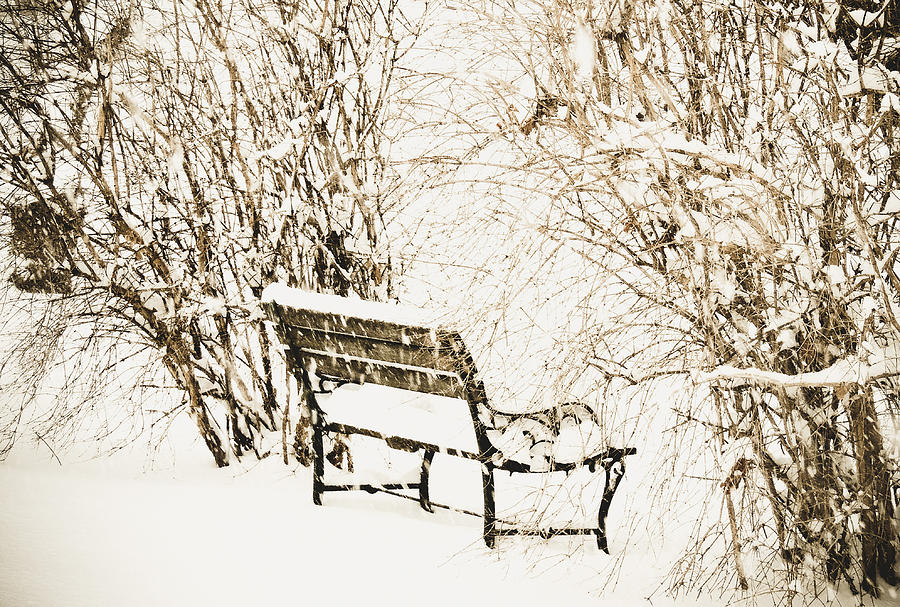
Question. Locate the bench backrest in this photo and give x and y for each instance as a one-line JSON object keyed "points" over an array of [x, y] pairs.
{"points": [[361, 350], [354, 348]]}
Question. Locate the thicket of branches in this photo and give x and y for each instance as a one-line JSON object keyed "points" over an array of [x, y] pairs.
{"points": [[730, 170], [725, 171], [164, 161]]}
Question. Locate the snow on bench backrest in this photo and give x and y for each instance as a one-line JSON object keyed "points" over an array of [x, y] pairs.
{"points": [[364, 341], [300, 299]]}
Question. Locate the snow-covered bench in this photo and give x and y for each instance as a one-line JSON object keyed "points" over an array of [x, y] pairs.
{"points": [[330, 338]]}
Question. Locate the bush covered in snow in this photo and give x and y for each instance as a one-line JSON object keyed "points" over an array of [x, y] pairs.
{"points": [[164, 161], [723, 178]]}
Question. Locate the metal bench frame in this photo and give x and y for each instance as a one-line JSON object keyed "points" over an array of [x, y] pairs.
{"points": [[349, 349]]}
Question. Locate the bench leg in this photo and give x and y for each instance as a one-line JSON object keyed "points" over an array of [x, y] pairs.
{"points": [[304, 384], [318, 459], [615, 470], [424, 499], [490, 521]]}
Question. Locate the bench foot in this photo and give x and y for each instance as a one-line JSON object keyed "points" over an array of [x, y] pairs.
{"points": [[601, 541], [318, 465], [615, 470], [318, 455], [424, 499], [490, 520]]}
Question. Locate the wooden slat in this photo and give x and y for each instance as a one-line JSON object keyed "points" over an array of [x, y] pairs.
{"points": [[402, 443], [369, 488], [549, 533], [360, 371], [423, 337], [374, 349]]}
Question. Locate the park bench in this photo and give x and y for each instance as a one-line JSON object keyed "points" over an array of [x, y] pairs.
{"points": [[332, 339]]}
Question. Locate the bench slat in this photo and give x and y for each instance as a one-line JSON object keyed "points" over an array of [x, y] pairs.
{"points": [[375, 349], [422, 337], [402, 443], [359, 370], [549, 533]]}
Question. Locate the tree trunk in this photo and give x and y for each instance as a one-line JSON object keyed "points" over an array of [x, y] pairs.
{"points": [[204, 423], [183, 372], [876, 532]]}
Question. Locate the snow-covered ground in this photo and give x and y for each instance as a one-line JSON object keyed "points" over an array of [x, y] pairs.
{"points": [[162, 526], [93, 534]]}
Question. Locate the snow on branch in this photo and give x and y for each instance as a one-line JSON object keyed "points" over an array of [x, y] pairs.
{"points": [[844, 372]]}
